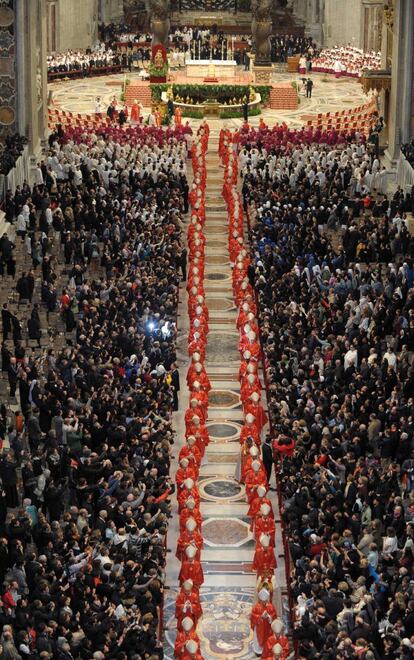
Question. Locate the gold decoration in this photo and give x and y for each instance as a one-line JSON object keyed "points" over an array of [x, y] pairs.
{"points": [[158, 59], [379, 80], [389, 15]]}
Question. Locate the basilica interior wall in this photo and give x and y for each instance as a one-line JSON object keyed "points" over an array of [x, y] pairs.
{"points": [[342, 22], [72, 24]]}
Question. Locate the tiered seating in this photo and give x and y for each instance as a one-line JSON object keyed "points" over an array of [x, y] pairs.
{"points": [[359, 119], [58, 116]]}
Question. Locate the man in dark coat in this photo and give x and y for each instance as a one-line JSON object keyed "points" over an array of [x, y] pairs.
{"points": [[6, 319]]}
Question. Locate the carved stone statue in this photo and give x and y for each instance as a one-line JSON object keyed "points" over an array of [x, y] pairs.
{"points": [[261, 30], [159, 16]]}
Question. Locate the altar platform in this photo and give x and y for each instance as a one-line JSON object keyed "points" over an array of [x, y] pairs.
{"points": [[223, 69]]}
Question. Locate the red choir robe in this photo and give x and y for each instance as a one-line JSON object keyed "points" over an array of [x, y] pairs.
{"points": [[184, 473], [199, 431], [193, 454], [185, 514], [181, 640], [252, 480], [186, 494], [201, 376], [250, 430], [197, 346], [188, 604], [265, 525], [264, 561], [270, 643], [243, 367], [252, 346], [257, 410], [260, 620], [255, 507], [196, 329], [244, 457], [247, 388], [192, 570], [199, 410], [189, 538], [241, 294]]}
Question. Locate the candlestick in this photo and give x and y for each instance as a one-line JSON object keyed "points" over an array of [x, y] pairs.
{"points": [[222, 50]]}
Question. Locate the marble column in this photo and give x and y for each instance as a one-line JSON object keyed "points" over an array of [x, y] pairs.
{"points": [[31, 73], [400, 104], [8, 82], [372, 11]]}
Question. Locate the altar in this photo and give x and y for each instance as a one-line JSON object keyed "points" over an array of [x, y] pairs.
{"points": [[202, 68]]}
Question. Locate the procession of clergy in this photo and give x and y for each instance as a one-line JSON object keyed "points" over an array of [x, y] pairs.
{"points": [[269, 640]]}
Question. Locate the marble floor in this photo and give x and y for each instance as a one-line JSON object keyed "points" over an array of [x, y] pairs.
{"points": [[329, 93], [228, 592]]}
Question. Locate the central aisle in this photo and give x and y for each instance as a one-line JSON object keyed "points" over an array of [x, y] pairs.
{"points": [[229, 592]]}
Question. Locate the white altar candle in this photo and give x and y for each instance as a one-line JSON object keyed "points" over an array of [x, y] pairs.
{"points": [[222, 50]]}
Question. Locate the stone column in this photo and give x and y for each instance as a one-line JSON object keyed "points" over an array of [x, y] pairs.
{"points": [[400, 105], [31, 71], [371, 24]]}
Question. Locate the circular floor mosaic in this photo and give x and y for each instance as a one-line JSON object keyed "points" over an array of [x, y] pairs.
{"points": [[217, 276], [217, 260], [221, 489], [223, 399], [224, 430]]}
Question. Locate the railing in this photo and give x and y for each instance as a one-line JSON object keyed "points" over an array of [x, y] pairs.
{"points": [[84, 73]]}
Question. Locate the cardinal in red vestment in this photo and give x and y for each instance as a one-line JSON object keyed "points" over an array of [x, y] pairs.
{"points": [[264, 523], [260, 498], [190, 536], [190, 510], [276, 638], [249, 384], [184, 635], [249, 343], [191, 651], [264, 561], [188, 603], [254, 406], [195, 427], [255, 477], [263, 613], [185, 471], [192, 451], [189, 490], [196, 408], [191, 568], [251, 455], [198, 372]]}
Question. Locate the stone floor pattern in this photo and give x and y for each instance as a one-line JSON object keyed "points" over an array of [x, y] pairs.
{"points": [[329, 93], [229, 588]]}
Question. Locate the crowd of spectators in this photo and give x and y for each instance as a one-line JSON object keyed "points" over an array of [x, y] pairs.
{"points": [[10, 151], [86, 486], [408, 151], [333, 270]]}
